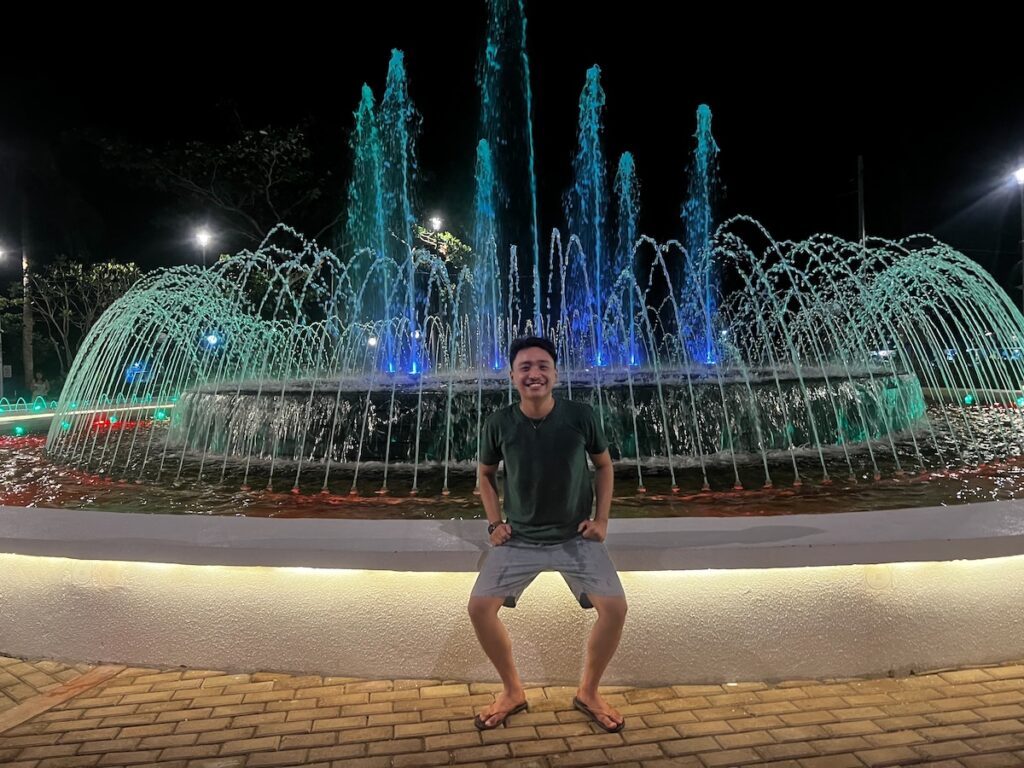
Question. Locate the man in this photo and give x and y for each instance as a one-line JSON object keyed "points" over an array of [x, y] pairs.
{"points": [[544, 443]]}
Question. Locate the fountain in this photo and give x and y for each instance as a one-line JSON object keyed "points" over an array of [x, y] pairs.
{"points": [[851, 356], [736, 358]]}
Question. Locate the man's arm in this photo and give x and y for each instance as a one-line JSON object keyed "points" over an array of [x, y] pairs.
{"points": [[604, 484], [492, 506]]}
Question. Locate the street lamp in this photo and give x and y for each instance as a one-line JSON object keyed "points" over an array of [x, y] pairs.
{"points": [[1019, 176], [436, 223], [203, 238]]}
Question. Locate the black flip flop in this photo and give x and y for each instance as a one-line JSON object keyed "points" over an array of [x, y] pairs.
{"points": [[481, 722], [593, 716]]}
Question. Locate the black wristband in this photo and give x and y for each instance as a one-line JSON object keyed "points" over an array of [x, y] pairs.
{"points": [[492, 526]]}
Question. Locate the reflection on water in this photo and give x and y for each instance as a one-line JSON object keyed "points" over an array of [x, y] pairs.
{"points": [[27, 478]]}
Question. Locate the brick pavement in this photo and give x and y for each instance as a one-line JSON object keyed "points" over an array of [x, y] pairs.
{"points": [[189, 718]]}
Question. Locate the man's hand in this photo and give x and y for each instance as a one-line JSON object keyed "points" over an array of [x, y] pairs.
{"points": [[595, 530], [501, 534]]}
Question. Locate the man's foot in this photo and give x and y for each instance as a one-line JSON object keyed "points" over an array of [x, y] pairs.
{"points": [[597, 709], [504, 705]]}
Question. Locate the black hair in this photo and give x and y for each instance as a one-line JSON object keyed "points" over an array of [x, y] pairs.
{"points": [[518, 345]]}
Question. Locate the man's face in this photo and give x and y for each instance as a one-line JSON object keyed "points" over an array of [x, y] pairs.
{"points": [[534, 374]]}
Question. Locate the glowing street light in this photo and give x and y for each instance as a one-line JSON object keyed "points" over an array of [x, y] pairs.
{"points": [[436, 223], [203, 240]]}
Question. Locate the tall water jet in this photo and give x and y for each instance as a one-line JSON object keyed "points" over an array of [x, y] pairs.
{"points": [[486, 274], [399, 124], [506, 123], [586, 211], [627, 200], [700, 281], [364, 226]]}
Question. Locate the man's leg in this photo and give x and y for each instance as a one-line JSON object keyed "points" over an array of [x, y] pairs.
{"points": [[494, 639], [604, 639]]}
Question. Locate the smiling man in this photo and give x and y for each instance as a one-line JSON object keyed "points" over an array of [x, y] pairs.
{"points": [[549, 500]]}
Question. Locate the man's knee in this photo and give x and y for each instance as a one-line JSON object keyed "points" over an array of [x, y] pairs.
{"points": [[612, 608], [483, 608]]}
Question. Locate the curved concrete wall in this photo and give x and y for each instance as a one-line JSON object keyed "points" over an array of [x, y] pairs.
{"points": [[711, 599]]}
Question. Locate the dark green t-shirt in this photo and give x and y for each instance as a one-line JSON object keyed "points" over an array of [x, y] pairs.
{"points": [[548, 490]]}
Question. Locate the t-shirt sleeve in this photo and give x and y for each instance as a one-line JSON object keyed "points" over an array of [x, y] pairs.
{"points": [[596, 441], [490, 441]]}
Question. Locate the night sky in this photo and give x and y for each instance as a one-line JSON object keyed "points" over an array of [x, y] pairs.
{"points": [[934, 106]]}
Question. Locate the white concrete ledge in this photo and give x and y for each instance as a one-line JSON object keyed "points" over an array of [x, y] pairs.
{"points": [[964, 532], [711, 599]]}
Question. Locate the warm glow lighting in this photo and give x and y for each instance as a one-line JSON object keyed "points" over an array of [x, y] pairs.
{"points": [[922, 605]]}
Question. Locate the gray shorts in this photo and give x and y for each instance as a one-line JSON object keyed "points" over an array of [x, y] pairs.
{"points": [[583, 563]]}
